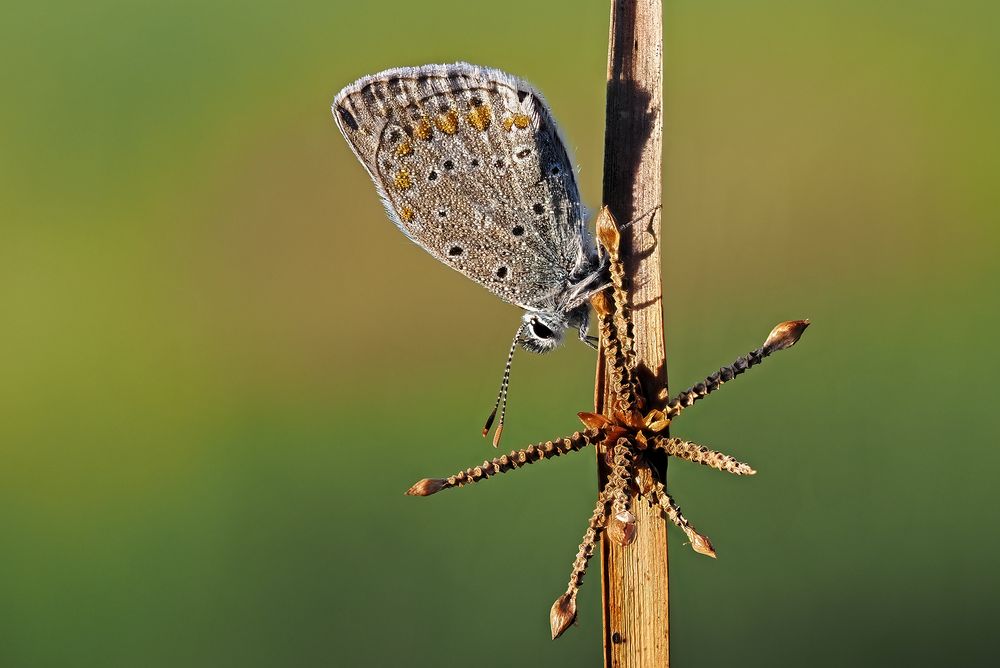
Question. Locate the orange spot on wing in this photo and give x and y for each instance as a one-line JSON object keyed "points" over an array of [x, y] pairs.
{"points": [[480, 117], [402, 180], [423, 129], [519, 120], [447, 122]]}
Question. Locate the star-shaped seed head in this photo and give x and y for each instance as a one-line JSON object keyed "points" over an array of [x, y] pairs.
{"points": [[625, 434]]}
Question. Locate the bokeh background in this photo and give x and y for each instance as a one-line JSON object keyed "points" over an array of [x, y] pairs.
{"points": [[221, 366]]}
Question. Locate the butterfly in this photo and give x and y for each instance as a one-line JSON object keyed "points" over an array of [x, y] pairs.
{"points": [[471, 166]]}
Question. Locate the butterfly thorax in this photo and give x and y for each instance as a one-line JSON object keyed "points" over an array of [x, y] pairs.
{"points": [[544, 329]]}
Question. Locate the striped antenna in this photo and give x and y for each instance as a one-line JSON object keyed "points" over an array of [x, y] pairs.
{"points": [[501, 401]]}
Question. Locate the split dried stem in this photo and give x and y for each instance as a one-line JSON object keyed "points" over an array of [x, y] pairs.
{"points": [[634, 578]]}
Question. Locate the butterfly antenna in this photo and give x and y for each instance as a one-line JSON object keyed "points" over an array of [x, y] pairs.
{"points": [[645, 214], [501, 401]]}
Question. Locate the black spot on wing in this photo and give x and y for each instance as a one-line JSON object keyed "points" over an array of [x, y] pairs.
{"points": [[347, 118]]}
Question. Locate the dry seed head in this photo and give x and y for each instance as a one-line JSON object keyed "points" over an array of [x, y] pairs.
{"points": [[562, 614], [656, 420], [600, 304], [630, 418], [785, 335], [622, 528], [701, 544], [607, 231], [427, 486], [593, 420], [612, 434]]}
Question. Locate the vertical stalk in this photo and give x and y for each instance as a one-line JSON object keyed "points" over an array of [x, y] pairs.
{"points": [[634, 578]]}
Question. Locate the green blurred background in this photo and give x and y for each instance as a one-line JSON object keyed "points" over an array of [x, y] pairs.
{"points": [[221, 365]]}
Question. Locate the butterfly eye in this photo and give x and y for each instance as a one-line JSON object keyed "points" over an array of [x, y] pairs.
{"points": [[541, 331]]}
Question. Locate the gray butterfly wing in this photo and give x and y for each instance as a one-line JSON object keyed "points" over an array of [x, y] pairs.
{"points": [[470, 166]]}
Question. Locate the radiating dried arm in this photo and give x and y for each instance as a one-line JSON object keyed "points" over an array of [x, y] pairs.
{"points": [[623, 381], [504, 463], [782, 336], [622, 524], [610, 237], [563, 612], [699, 454], [658, 496]]}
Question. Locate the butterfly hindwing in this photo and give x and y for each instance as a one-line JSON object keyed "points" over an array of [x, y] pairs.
{"points": [[470, 166]]}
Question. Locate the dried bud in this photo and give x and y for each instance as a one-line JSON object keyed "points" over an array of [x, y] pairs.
{"points": [[601, 305], [659, 425], [562, 614], [427, 486], [785, 335], [613, 434], [656, 421], [630, 418], [607, 231], [593, 420], [622, 528], [701, 544]]}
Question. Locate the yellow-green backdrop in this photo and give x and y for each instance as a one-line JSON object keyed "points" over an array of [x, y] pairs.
{"points": [[220, 366]]}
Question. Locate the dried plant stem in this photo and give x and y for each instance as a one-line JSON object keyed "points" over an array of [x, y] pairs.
{"points": [[634, 582], [622, 525], [618, 480], [784, 335], [700, 544], [625, 392], [610, 237], [563, 612], [504, 463], [699, 454]]}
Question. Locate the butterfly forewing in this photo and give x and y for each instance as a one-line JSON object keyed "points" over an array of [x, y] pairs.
{"points": [[471, 166]]}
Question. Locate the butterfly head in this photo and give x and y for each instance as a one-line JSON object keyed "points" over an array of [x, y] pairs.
{"points": [[542, 331]]}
